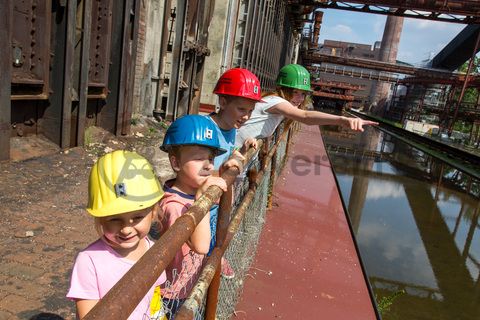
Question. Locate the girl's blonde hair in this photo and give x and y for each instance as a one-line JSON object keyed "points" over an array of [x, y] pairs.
{"points": [[287, 94]]}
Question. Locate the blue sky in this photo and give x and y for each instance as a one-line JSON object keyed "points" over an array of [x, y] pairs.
{"points": [[419, 37]]}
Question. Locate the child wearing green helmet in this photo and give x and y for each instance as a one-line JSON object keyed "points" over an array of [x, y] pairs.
{"points": [[293, 86], [123, 198], [192, 143]]}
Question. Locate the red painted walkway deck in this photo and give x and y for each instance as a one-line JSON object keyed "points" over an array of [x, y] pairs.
{"points": [[306, 265]]}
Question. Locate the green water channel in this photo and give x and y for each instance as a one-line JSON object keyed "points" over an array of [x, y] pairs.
{"points": [[415, 219]]}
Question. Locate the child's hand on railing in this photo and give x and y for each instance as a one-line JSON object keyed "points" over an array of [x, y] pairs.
{"points": [[236, 160], [247, 144], [211, 181]]}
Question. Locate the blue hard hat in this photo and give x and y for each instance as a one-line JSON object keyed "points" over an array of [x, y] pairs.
{"points": [[192, 129]]}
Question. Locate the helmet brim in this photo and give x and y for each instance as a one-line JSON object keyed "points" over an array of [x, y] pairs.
{"points": [[218, 151]]}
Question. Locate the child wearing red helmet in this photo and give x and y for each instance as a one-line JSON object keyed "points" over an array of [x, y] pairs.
{"points": [[238, 91]]}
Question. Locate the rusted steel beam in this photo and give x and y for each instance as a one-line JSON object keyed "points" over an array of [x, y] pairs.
{"points": [[336, 96], [68, 75], [84, 69], [316, 28], [132, 24], [158, 112], [178, 60], [316, 70], [473, 81], [100, 48], [337, 84], [459, 11], [310, 58], [31, 27], [5, 78], [222, 225]]}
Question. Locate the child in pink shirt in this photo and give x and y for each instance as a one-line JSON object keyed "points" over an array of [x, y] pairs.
{"points": [[123, 199]]}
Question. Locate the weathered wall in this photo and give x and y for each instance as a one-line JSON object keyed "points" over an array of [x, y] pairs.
{"points": [[149, 40], [217, 62]]}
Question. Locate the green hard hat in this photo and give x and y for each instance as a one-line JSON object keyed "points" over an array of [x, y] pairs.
{"points": [[294, 76]]}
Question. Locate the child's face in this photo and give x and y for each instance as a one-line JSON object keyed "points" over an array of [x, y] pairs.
{"points": [[193, 165], [234, 112], [125, 231], [298, 97]]}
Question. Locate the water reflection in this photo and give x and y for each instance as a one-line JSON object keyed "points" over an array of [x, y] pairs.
{"points": [[416, 223]]}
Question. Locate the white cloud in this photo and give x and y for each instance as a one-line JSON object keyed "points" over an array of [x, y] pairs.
{"points": [[342, 29], [379, 189]]}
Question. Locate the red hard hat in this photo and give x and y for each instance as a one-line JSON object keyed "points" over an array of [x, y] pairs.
{"points": [[240, 83]]}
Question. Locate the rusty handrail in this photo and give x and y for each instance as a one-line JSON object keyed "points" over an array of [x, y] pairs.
{"points": [[139, 279], [209, 271]]}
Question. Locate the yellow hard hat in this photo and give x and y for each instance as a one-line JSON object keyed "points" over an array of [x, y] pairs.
{"points": [[122, 181]]}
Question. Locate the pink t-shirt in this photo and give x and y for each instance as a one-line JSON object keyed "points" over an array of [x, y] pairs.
{"points": [[98, 268], [184, 270]]}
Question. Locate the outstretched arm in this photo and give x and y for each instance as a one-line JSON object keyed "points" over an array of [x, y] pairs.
{"points": [[319, 118]]}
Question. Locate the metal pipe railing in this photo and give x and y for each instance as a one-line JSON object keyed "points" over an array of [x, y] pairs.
{"points": [[139, 279]]}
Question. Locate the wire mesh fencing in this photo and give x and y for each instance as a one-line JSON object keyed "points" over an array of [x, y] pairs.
{"points": [[242, 249]]}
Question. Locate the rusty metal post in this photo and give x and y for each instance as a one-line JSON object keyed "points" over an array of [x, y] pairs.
{"points": [[178, 59], [460, 98], [5, 77], [316, 28], [207, 8], [289, 138], [84, 68], [157, 112], [130, 25], [67, 76], [222, 229], [263, 153], [446, 110]]}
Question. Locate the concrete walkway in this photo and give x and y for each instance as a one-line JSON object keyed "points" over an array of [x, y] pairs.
{"points": [[306, 265]]}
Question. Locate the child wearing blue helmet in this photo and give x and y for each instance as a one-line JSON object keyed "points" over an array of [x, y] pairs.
{"points": [[192, 144]]}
